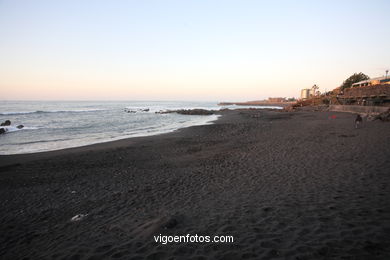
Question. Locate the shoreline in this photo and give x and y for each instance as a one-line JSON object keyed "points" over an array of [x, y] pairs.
{"points": [[259, 103], [289, 185], [10, 159], [96, 145], [196, 112]]}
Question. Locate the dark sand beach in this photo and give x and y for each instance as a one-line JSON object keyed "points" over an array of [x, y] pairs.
{"points": [[300, 185]]}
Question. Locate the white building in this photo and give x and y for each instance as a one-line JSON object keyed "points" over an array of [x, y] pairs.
{"points": [[305, 93], [372, 82], [309, 92]]}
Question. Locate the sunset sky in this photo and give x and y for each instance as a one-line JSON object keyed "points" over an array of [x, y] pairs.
{"points": [[187, 50]]}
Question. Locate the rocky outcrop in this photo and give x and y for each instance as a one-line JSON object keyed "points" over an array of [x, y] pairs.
{"points": [[6, 123], [127, 110], [257, 103], [197, 112], [384, 116], [4, 130]]}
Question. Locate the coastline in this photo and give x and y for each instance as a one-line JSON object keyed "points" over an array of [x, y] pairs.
{"points": [[12, 159], [284, 184], [74, 124], [259, 103]]}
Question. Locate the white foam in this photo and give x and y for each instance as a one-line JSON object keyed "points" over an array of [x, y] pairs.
{"points": [[50, 111], [11, 128]]}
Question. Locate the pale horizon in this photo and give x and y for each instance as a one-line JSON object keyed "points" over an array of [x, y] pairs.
{"points": [[187, 51]]}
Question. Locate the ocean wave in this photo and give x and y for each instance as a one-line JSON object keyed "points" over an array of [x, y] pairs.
{"points": [[49, 111], [40, 141], [10, 128]]}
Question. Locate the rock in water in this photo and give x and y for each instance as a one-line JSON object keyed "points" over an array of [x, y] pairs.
{"points": [[20, 126], [6, 123], [2, 131], [197, 112]]}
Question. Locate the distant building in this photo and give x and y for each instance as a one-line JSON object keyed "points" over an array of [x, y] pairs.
{"points": [[372, 82], [276, 99], [305, 93], [309, 92]]}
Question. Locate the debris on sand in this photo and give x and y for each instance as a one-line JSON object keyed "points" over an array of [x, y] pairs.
{"points": [[78, 217]]}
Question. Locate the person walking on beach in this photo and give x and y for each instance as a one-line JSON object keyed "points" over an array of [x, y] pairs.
{"points": [[358, 120]]}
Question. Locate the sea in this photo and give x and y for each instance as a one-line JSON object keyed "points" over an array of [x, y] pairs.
{"points": [[54, 125]]}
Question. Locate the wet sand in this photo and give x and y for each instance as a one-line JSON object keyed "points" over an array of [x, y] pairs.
{"points": [[301, 185]]}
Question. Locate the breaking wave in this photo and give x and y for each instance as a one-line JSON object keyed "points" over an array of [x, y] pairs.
{"points": [[49, 111]]}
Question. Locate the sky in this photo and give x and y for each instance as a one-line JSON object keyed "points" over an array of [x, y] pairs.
{"points": [[187, 50]]}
